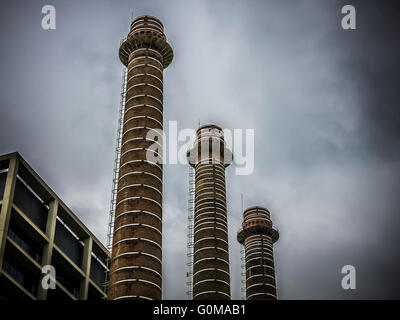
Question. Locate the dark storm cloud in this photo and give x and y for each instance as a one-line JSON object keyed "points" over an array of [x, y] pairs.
{"points": [[323, 103], [59, 100], [370, 59]]}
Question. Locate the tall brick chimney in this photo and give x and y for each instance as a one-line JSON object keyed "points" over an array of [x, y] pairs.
{"points": [[210, 157], [258, 236], [136, 266]]}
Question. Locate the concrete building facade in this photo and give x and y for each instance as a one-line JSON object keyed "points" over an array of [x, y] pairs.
{"points": [[210, 157], [258, 236], [38, 229], [136, 261]]}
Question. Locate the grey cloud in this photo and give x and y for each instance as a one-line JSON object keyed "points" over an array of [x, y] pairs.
{"points": [[323, 103]]}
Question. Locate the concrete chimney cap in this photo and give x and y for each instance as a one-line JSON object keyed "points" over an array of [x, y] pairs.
{"points": [[256, 207], [209, 126], [138, 18]]}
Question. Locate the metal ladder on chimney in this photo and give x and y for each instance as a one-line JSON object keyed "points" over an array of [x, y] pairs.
{"points": [[190, 235], [117, 159], [242, 272], [242, 261]]}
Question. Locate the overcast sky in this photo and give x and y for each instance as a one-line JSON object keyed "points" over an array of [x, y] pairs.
{"points": [[324, 103]]}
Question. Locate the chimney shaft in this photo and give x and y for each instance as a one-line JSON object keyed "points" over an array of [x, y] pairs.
{"points": [[136, 266], [210, 157], [258, 236]]}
